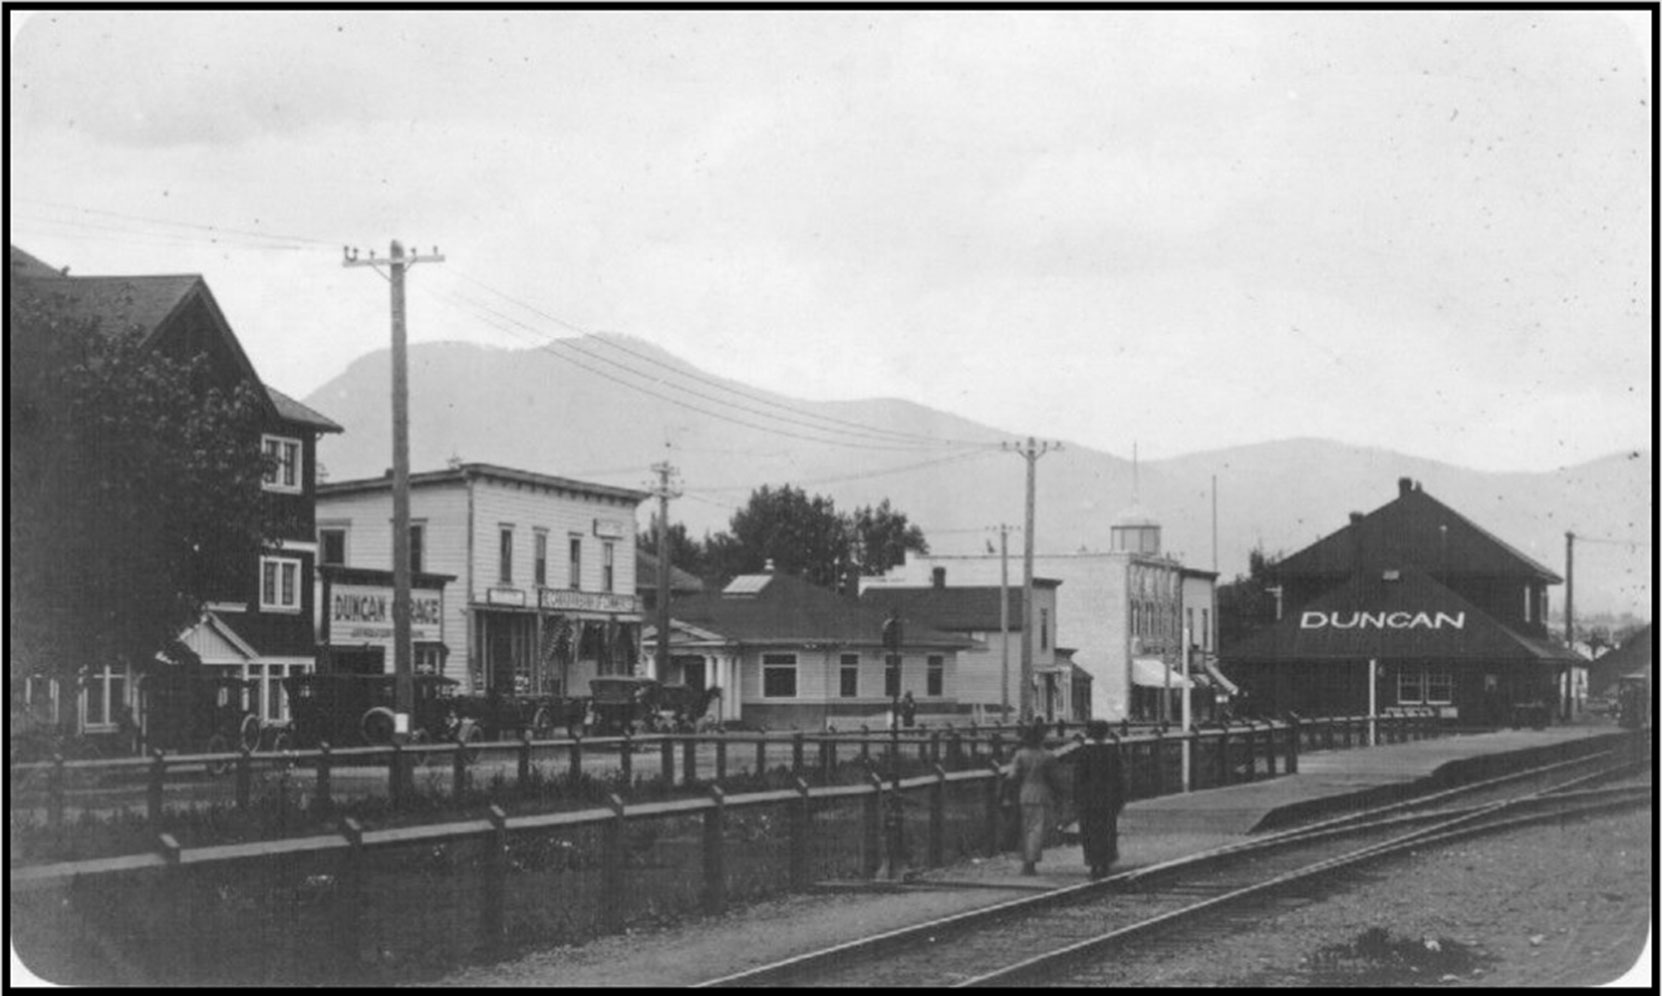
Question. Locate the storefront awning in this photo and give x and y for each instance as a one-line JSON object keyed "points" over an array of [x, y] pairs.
{"points": [[1152, 672]]}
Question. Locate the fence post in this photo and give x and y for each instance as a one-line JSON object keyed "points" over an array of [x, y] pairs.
{"points": [[395, 775], [799, 835], [321, 797], [761, 755], [925, 746], [245, 763], [348, 925], [458, 774], [1269, 748], [997, 748], [871, 846], [666, 760], [721, 756], [158, 772], [626, 760], [715, 866], [689, 760], [178, 882], [1294, 725], [937, 818], [796, 753], [524, 758], [1224, 770], [954, 750], [1157, 755], [576, 760], [611, 866], [935, 747], [865, 748], [995, 811], [494, 898], [828, 761]]}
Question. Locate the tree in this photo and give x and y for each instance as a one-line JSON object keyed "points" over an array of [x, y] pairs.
{"points": [[883, 537], [684, 551], [1247, 604], [135, 490], [806, 535]]}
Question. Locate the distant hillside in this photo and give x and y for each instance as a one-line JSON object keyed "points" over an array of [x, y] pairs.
{"points": [[533, 409]]}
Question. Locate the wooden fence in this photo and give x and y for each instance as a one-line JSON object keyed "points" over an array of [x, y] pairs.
{"points": [[407, 901]]}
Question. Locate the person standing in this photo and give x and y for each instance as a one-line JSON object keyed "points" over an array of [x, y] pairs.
{"points": [[1099, 795], [908, 710], [1035, 778]]}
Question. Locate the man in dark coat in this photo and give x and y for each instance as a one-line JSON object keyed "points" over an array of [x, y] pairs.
{"points": [[1099, 795]]}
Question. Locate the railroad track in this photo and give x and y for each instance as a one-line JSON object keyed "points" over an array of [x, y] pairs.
{"points": [[1040, 937]]}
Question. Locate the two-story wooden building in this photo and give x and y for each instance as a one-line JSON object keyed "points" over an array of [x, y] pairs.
{"points": [[258, 627], [545, 564], [1438, 611]]}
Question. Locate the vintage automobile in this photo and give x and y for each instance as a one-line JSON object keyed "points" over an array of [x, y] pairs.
{"points": [[192, 712], [503, 717], [622, 703], [348, 710]]}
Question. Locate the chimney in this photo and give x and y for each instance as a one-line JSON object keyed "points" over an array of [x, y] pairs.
{"points": [[1404, 485], [1356, 541], [938, 577]]}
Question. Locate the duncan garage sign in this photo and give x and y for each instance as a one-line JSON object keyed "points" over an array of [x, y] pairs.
{"points": [[364, 612]]}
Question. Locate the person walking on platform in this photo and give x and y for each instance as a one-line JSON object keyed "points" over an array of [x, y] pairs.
{"points": [[1099, 795], [1036, 780]]}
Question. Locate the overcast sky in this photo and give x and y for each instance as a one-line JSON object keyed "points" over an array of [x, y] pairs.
{"points": [[1421, 230]]}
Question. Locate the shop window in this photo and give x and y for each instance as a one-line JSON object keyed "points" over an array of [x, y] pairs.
{"points": [[279, 584], [574, 576], [608, 554], [1206, 629], [848, 685], [935, 676], [1410, 688], [505, 570], [540, 564], [778, 676], [1044, 629], [282, 472], [418, 545], [331, 545], [1439, 687]]}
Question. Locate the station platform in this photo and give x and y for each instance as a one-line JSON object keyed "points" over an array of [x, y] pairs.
{"points": [[1328, 783]]}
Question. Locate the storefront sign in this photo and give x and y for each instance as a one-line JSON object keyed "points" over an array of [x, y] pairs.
{"points": [[585, 601], [1382, 620], [364, 612], [504, 596], [609, 528]]}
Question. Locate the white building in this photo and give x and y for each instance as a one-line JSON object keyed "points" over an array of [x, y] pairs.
{"points": [[546, 567]]}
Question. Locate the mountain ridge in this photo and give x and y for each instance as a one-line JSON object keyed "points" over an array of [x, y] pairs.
{"points": [[538, 409]]}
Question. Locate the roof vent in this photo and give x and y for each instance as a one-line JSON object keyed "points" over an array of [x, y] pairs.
{"points": [[938, 577], [1404, 485]]}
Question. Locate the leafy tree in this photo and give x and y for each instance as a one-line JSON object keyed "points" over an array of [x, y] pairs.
{"points": [[882, 538], [1247, 604], [684, 551], [135, 490]]}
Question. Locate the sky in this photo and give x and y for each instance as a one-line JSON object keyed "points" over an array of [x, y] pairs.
{"points": [[1422, 230]]}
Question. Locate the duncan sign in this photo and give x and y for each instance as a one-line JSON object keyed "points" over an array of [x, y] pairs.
{"points": [[1382, 620], [364, 612]]}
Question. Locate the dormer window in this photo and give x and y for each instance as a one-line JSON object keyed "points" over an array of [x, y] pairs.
{"points": [[282, 472]]}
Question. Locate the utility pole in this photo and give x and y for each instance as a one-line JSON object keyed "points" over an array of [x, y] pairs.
{"points": [[664, 493], [1214, 522], [1031, 451], [403, 669], [1004, 620], [1569, 620]]}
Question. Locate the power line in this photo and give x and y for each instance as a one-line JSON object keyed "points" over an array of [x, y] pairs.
{"points": [[721, 385], [496, 319], [273, 236], [875, 473]]}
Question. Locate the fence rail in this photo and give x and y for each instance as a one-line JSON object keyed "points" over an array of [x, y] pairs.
{"points": [[330, 906]]}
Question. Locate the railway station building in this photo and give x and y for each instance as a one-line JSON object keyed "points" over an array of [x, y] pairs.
{"points": [[545, 567], [789, 654], [1410, 606], [257, 628]]}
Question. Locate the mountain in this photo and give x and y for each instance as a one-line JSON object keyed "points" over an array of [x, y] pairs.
{"points": [[582, 409]]}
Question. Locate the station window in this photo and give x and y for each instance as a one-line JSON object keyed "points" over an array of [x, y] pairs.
{"points": [[779, 676], [1410, 690], [849, 677], [1439, 687], [279, 584], [935, 676]]}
